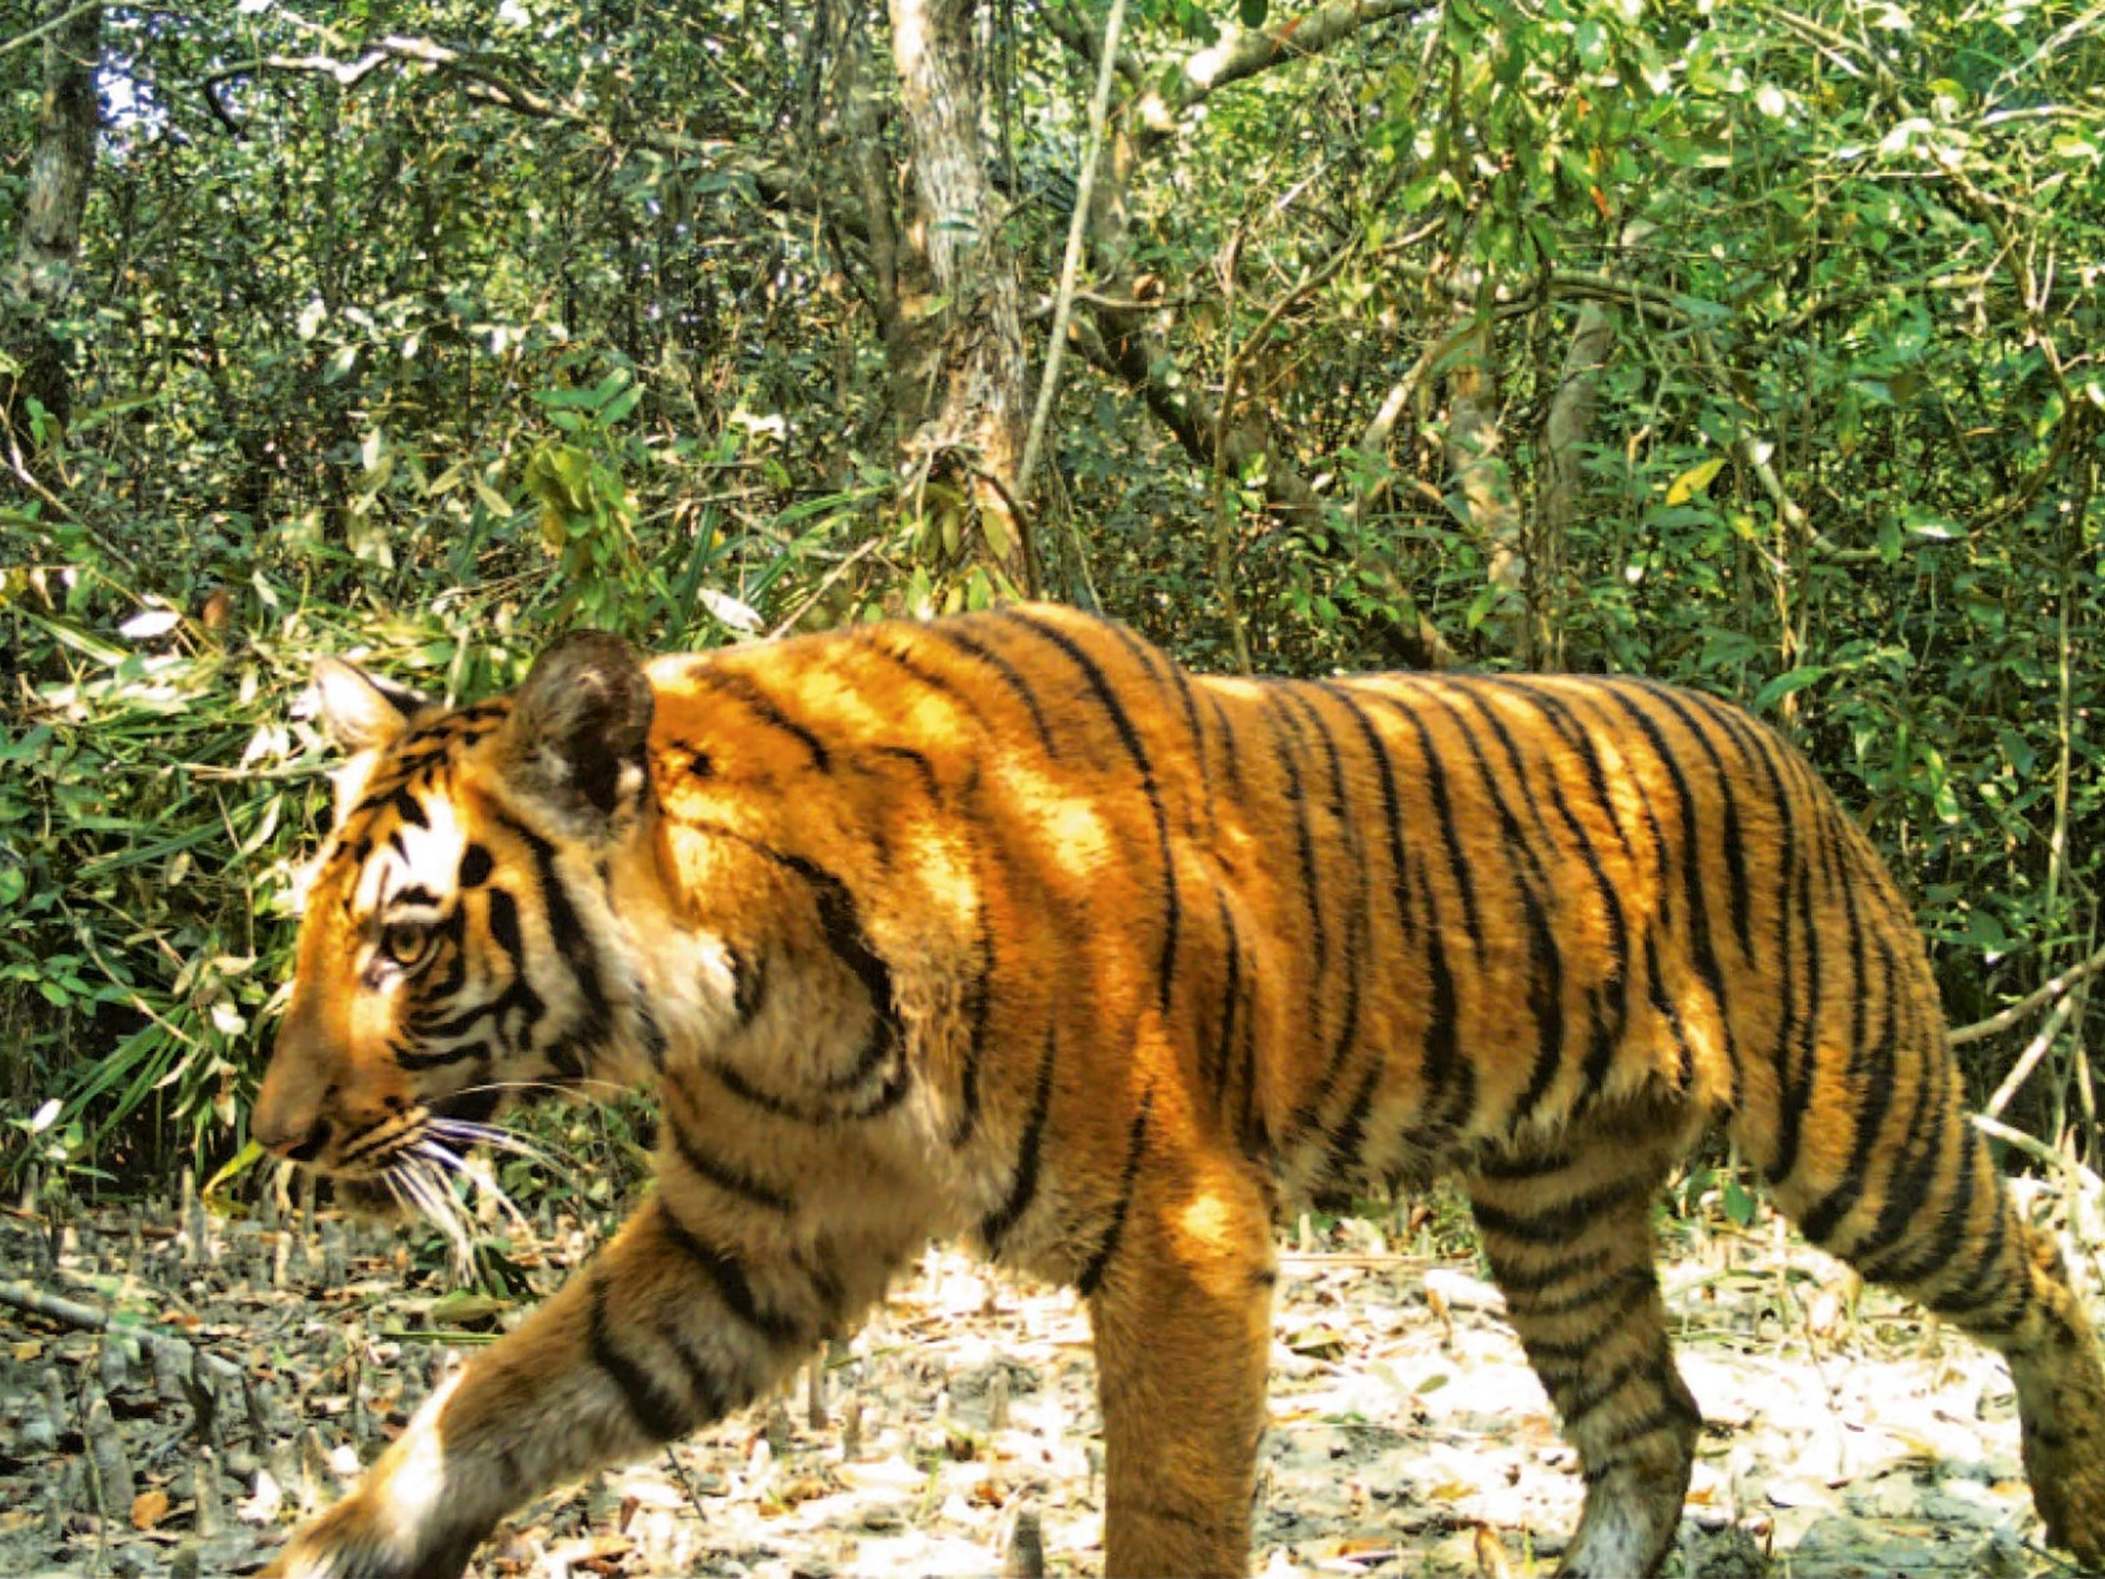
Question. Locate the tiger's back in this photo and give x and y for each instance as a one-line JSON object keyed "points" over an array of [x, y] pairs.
{"points": [[1007, 926]]}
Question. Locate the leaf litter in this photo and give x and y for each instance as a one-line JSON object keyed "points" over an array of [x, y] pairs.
{"points": [[245, 1370]]}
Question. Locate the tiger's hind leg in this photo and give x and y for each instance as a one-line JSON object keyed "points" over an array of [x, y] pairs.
{"points": [[1917, 1204], [1568, 1233]]}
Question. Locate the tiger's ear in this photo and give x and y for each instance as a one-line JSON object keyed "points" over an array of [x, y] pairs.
{"points": [[577, 732], [361, 712]]}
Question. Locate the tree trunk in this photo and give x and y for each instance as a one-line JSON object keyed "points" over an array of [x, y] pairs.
{"points": [[37, 282], [1482, 497], [954, 339], [1564, 434]]}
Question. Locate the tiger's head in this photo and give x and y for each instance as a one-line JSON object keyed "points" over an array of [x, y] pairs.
{"points": [[460, 939]]}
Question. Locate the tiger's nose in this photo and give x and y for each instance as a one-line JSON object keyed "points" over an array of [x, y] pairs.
{"points": [[287, 1118]]}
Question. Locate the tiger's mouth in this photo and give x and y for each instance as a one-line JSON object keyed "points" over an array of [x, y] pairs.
{"points": [[413, 1165]]}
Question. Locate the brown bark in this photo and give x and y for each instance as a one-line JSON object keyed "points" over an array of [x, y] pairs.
{"points": [[40, 277], [954, 334], [1564, 434], [1482, 497]]}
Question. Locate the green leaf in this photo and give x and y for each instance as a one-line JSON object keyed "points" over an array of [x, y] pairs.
{"points": [[1739, 1203], [1784, 684], [1253, 12]]}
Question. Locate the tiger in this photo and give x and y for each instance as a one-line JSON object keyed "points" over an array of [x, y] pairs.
{"points": [[1006, 928]]}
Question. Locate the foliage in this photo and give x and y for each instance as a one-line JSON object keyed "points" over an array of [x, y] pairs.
{"points": [[566, 320]]}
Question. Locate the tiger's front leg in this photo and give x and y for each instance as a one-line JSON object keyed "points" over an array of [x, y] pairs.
{"points": [[1183, 1325], [664, 1331]]}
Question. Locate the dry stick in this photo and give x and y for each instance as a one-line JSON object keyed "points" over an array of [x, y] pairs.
{"points": [[2029, 1059], [2038, 1150], [23, 1297], [2003, 1019], [1071, 260]]}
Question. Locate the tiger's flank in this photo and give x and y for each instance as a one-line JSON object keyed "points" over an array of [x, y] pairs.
{"points": [[1008, 928]]}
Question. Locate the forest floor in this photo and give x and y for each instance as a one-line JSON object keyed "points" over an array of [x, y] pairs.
{"points": [[1845, 1436]]}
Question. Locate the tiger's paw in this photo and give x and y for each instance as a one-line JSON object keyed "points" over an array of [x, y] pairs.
{"points": [[351, 1542]]}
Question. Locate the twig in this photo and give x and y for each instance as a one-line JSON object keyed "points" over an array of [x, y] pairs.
{"points": [[2029, 1059], [49, 25], [2003, 1019], [2038, 1150], [862, 550], [1071, 260], [93, 1318]]}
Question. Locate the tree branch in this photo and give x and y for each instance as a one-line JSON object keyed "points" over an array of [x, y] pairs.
{"points": [[2046, 993], [49, 25]]}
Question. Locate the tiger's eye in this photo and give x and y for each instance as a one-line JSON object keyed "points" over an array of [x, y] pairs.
{"points": [[405, 942]]}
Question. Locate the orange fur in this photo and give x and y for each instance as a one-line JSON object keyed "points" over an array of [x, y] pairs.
{"points": [[1006, 927]]}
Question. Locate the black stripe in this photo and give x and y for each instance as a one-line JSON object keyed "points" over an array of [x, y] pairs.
{"points": [[1753, 745], [1611, 1302], [916, 760], [1356, 927], [727, 1276], [1545, 986], [1677, 703], [1198, 737], [840, 922], [1023, 1178], [1285, 753], [1912, 1184], [1435, 772], [1575, 734], [1391, 805], [1444, 1064], [1520, 1165], [1093, 1273], [979, 1006], [1989, 1281], [1908, 1182], [1668, 1007], [726, 1177], [1607, 1035], [867, 642], [877, 1048], [1559, 1224], [1871, 1074], [1231, 752], [1674, 1412], [1123, 723], [749, 978], [712, 1399], [889, 1096], [1214, 1064], [1946, 1237], [1350, 1134], [1011, 676], [1577, 1397], [1515, 1282], [407, 808], [565, 927], [742, 689], [658, 1414], [1691, 864], [1158, 666], [475, 867]]}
